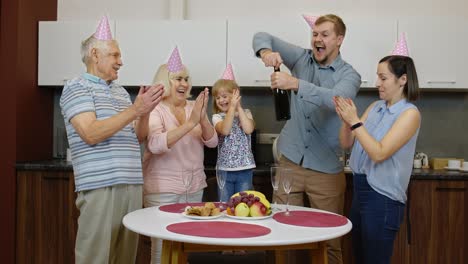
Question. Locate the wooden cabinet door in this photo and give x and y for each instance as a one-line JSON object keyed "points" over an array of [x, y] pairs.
{"points": [[46, 217], [438, 221], [438, 47]]}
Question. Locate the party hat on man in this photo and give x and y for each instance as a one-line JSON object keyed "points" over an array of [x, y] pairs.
{"points": [[174, 64], [401, 48], [103, 31], [310, 20], [228, 73]]}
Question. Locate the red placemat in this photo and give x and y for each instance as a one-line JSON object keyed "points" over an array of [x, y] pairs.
{"points": [[310, 219], [177, 207], [218, 229]]}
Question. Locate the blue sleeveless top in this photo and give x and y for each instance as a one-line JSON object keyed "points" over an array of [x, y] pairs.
{"points": [[391, 176]]}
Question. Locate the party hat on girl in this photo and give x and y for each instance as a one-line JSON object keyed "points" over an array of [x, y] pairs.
{"points": [[228, 73], [401, 48], [174, 64], [310, 20], [103, 31]]}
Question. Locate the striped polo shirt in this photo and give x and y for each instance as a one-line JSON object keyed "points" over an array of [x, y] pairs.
{"points": [[113, 161]]}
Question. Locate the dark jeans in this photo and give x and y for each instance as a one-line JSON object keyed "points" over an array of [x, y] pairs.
{"points": [[376, 220], [236, 181]]}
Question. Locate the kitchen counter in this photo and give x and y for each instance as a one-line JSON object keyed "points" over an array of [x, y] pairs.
{"points": [[261, 170]]}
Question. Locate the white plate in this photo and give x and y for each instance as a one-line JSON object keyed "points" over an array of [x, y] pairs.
{"points": [[249, 217], [454, 169], [196, 217]]}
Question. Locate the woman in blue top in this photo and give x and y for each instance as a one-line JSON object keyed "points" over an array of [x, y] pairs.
{"points": [[384, 141]]}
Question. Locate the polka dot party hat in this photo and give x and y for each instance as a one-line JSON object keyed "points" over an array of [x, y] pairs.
{"points": [[103, 31], [310, 20], [228, 73], [401, 48], [174, 64]]}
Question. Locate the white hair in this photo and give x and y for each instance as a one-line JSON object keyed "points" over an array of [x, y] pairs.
{"points": [[91, 43]]}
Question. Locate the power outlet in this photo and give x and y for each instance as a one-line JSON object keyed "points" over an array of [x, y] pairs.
{"points": [[266, 138]]}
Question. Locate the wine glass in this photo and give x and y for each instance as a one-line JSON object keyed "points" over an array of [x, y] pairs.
{"points": [[187, 177], [275, 174], [287, 179], [221, 179]]}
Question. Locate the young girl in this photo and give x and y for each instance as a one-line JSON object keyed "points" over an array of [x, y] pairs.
{"points": [[234, 125]]}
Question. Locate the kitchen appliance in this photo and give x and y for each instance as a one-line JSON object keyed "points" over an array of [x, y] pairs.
{"points": [[420, 161]]}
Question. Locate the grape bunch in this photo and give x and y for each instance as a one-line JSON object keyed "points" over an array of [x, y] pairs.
{"points": [[243, 197]]}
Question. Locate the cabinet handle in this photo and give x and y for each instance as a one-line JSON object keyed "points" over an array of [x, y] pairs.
{"points": [[452, 82], [364, 81], [450, 189], [261, 81]]}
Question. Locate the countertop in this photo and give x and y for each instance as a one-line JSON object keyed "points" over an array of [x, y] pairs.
{"points": [[261, 170]]}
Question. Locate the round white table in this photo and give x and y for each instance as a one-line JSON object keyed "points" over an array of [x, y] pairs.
{"points": [[152, 222]]}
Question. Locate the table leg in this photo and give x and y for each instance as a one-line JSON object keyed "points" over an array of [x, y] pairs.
{"points": [[280, 256], [166, 252], [178, 254], [319, 255]]}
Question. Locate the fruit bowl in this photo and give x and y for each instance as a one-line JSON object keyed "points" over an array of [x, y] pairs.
{"points": [[248, 204], [250, 218]]}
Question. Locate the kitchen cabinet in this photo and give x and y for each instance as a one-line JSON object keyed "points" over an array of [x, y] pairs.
{"points": [[438, 221], [248, 69], [438, 47], [368, 40], [59, 47], [145, 45], [46, 217], [435, 231]]}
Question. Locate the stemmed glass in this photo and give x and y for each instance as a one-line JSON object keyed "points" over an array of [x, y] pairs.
{"points": [[187, 177], [275, 174], [287, 179], [221, 179]]}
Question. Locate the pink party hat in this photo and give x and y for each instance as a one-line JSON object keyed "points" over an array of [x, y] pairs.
{"points": [[228, 73], [310, 20], [401, 48], [174, 64], [103, 31]]}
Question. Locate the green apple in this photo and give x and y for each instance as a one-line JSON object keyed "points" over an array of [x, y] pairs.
{"points": [[242, 209]]}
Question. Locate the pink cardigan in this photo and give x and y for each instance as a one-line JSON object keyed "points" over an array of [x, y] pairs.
{"points": [[163, 166]]}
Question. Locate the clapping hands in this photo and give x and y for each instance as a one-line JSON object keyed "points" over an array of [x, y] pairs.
{"points": [[346, 110]]}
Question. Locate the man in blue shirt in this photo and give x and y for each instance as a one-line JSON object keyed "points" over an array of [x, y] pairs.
{"points": [[105, 152], [308, 143]]}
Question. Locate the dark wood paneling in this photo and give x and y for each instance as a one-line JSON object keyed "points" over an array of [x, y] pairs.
{"points": [[27, 111], [47, 217]]}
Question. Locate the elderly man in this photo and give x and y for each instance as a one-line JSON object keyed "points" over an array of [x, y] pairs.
{"points": [[308, 143], [99, 117]]}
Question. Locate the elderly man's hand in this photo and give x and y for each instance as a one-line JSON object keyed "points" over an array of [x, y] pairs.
{"points": [[147, 99]]}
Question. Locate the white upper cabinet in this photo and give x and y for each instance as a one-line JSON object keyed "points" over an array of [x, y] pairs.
{"points": [[59, 50], [145, 45], [438, 48], [248, 69], [368, 40]]}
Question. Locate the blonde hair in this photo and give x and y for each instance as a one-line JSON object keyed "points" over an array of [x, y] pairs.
{"points": [[163, 76], [339, 25], [222, 84]]}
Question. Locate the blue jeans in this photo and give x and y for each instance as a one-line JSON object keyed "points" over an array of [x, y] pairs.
{"points": [[236, 181], [376, 220]]}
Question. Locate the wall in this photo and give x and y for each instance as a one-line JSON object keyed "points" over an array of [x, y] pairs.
{"points": [[199, 9]]}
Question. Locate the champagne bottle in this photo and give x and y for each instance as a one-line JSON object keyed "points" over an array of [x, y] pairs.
{"points": [[281, 98]]}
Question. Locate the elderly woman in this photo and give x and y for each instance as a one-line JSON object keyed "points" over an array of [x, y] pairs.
{"points": [[177, 131]]}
